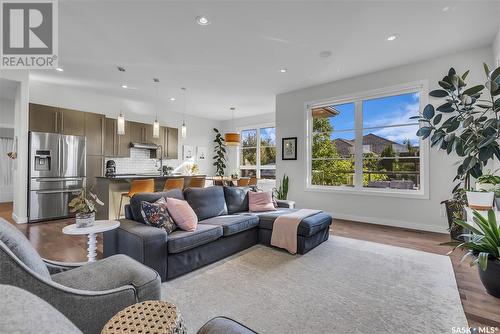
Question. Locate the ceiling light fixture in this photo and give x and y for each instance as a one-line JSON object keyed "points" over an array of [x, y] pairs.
{"points": [[392, 37], [446, 8], [232, 138], [172, 99], [156, 124], [59, 69], [183, 127], [124, 86], [202, 20], [283, 70], [120, 122]]}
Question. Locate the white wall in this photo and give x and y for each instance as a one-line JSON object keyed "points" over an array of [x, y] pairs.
{"points": [[21, 138], [199, 130], [237, 125], [7, 113], [496, 48], [425, 214]]}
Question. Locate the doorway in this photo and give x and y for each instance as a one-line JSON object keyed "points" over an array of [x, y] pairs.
{"points": [[8, 91]]}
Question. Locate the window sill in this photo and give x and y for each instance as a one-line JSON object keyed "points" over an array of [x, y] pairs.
{"points": [[399, 193]]}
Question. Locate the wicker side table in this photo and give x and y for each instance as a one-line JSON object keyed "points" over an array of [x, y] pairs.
{"points": [[149, 317]]}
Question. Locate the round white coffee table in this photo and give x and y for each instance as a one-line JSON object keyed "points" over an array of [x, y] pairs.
{"points": [[98, 227]]}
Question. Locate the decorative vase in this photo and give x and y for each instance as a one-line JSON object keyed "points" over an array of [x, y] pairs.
{"points": [[489, 277], [479, 200], [85, 219]]}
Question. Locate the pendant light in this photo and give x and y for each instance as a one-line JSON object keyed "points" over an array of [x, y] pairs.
{"points": [[120, 122], [183, 127], [232, 138], [156, 125]]}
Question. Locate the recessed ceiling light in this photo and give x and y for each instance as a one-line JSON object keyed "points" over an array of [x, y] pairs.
{"points": [[392, 37], [59, 69], [325, 54], [445, 9], [202, 20], [283, 70], [172, 99], [124, 86]]}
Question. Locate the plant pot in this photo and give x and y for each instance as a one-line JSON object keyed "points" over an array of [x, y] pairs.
{"points": [[85, 219], [485, 187], [489, 278], [479, 200]]}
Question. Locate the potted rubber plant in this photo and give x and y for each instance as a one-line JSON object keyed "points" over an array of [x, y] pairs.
{"points": [[84, 207], [466, 123], [483, 247]]}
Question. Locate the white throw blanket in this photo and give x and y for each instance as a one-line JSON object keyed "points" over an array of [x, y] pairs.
{"points": [[285, 227]]}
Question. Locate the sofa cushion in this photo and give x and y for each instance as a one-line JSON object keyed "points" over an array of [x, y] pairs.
{"points": [[307, 227], [206, 202], [135, 201], [182, 214], [236, 199], [233, 224], [179, 241], [261, 201], [22, 248]]}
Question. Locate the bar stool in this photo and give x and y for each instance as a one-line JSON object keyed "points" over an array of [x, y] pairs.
{"points": [[197, 182], [243, 182], [253, 181], [137, 186], [175, 183]]}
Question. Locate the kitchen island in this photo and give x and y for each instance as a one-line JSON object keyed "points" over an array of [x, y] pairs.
{"points": [[109, 189]]}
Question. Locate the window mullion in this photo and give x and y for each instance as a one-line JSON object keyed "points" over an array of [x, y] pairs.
{"points": [[257, 163], [358, 146]]}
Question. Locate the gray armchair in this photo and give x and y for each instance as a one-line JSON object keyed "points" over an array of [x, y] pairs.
{"points": [[88, 295]]}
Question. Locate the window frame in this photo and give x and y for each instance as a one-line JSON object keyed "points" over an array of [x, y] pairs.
{"points": [[358, 98], [258, 167]]}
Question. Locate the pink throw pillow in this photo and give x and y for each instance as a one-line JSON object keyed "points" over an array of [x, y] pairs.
{"points": [[182, 214], [260, 201]]}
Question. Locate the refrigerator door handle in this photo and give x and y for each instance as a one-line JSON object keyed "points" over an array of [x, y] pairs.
{"points": [[58, 191], [59, 179]]}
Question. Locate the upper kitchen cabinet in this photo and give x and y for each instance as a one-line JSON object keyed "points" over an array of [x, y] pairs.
{"points": [[172, 145], [116, 145], [72, 122], [95, 131], [44, 118], [140, 132]]}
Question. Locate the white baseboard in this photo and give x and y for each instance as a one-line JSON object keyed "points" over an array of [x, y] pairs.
{"points": [[391, 222], [19, 220]]}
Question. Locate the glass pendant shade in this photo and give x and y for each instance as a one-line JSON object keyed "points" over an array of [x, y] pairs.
{"points": [[232, 139], [156, 129], [120, 125], [183, 130]]}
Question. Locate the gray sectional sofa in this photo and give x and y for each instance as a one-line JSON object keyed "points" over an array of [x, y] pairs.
{"points": [[225, 227]]}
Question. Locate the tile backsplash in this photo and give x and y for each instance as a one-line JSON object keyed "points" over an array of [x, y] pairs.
{"points": [[138, 162]]}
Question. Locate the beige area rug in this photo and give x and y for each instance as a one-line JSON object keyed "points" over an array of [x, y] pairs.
{"points": [[342, 286]]}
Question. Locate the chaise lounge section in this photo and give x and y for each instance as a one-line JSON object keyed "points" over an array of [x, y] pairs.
{"points": [[226, 226]]}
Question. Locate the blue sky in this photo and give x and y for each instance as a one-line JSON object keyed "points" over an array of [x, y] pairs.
{"points": [[379, 113]]}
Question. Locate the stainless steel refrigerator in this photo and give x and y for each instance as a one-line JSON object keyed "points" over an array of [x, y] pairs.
{"points": [[56, 174]]}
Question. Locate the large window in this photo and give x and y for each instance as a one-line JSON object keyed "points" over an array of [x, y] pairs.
{"points": [[258, 152], [367, 143]]}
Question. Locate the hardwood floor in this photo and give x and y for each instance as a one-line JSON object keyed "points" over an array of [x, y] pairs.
{"points": [[480, 308]]}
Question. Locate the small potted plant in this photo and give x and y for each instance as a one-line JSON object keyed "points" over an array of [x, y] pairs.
{"points": [[488, 182], [483, 197], [483, 246], [84, 206]]}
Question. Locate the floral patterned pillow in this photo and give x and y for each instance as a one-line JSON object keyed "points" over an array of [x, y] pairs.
{"points": [[156, 214]]}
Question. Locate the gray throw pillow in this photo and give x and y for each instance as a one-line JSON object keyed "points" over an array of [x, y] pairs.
{"points": [[156, 214]]}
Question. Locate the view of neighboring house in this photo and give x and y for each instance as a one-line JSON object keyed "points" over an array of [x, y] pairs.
{"points": [[371, 144]]}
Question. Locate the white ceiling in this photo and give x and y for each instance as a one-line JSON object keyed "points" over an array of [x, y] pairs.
{"points": [[235, 61]]}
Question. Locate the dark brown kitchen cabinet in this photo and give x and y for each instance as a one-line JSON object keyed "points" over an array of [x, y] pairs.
{"points": [[72, 122], [95, 131], [116, 145], [44, 118], [141, 132], [95, 168], [172, 147]]}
